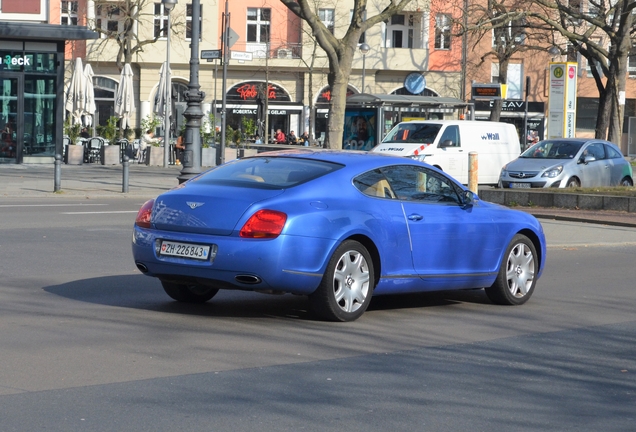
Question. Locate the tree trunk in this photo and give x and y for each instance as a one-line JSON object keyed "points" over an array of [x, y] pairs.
{"points": [[495, 113], [335, 127]]}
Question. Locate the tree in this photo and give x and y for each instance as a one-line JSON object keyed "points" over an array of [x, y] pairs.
{"points": [[503, 26], [119, 21], [340, 52], [601, 32]]}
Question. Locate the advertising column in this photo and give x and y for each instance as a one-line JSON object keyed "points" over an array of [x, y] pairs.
{"points": [[562, 100]]}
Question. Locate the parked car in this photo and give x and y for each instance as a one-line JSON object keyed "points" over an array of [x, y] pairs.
{"points": [[446, 144], [568, 162], [338, 227]]}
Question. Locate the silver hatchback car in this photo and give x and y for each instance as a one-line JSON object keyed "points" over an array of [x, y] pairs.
{"points": [[568, 162]]}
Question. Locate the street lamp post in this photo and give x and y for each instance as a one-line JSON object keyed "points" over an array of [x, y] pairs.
{"points": [[364, 49], [194, 96], [168, 5]]}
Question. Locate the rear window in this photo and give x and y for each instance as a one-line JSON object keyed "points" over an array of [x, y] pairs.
{"points": [[268, 172], [417, 133]]}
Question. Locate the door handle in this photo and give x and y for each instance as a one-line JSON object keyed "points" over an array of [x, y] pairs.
{"points": [[415, 217]]}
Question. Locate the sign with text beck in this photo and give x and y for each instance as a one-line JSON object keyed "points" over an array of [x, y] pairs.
{"points": [[562, 100]]}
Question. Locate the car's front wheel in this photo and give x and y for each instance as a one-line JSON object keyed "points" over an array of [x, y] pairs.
{"points": [[189, 293], [516, 279], [627, 182], [573, 183], [347, 285]]}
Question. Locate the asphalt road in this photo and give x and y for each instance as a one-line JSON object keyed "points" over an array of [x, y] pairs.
{"points": [[88, 343]]}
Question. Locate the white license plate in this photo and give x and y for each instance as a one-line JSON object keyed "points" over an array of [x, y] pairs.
{"points": [[520, 185], [184, 250]]}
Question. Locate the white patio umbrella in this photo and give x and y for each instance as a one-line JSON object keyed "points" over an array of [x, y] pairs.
{"points": [[125, 99], [75, 99], [89, 96], [159, 106]]}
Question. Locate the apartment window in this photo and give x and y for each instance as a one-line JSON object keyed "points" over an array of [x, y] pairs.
{"points": [[442, 31], [593, 9], [69, 13], [258, 24], [161, 20], [631, 64], [109, 19], [400, 31], [327, 16], [189, 21], [594, 63], [511, 33]]}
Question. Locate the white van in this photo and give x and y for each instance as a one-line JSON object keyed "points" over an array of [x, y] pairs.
{"points": [[446, 144]]}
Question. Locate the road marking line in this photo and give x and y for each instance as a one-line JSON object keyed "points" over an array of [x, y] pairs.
{"points": [[49, 205], [102, 212]]}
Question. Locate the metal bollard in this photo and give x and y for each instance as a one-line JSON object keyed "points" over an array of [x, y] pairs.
{"points": [[57, 181], [473, 168], [125, 168]]}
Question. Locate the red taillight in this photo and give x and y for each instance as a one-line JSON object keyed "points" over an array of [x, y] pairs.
{"points": [[264, 224], [143, 217]]}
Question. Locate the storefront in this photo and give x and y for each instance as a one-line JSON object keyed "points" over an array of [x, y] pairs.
{"points": [[245, 104], [32, 89]]}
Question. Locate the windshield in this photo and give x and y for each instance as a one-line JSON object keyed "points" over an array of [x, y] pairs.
{"points": [[553, 150], [417, 133], [267, 172]]}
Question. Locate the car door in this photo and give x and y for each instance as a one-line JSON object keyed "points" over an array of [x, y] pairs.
{"points": [[596, 172], [617, 165], [452, 246], [452, 157]]}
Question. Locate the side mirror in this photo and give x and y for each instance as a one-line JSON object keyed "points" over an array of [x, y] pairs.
{"points": [[468, 198], [588, 158], [446, 143]]}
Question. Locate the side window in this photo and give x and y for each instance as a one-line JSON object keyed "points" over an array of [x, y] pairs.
{"points": [[373, 183], [612, 153], [596, 150], [413, 183], [451, 133]]}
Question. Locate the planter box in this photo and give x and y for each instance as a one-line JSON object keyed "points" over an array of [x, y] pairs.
{"points": [[230, 154], [109, 154], [208, 157], [74, 155], [245, 152], [154, 156]]}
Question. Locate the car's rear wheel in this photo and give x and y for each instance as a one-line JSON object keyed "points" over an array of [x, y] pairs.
{"points": [[189, 293], [627, 182], [516, 279], [347, 285], [573, 183]]}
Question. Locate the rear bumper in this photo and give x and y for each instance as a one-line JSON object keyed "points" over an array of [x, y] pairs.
{"points": [[286, 264]]}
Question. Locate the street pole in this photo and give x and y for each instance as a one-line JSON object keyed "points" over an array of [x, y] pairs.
{"points": [[266, 132], [524, 144], [194, 96], [226, 49], [168, 5], [364, 49]]}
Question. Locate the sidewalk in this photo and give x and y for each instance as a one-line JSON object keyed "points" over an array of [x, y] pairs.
{"points": [[90, 180], [93, 181]]}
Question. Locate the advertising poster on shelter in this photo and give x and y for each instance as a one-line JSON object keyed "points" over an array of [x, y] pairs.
{"points": [[359, 129]]}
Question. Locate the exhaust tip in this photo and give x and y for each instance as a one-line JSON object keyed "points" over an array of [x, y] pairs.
{"points": [[142, 267], [248, 279]]}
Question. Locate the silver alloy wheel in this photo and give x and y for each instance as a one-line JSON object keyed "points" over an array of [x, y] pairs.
{"points": [[351, 281], [520, 270]]}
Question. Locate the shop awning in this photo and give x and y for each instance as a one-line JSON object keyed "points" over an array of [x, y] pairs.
{"points": [[48, 32]]}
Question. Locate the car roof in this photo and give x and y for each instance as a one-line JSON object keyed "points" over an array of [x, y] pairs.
{"points": [[362, 159]]}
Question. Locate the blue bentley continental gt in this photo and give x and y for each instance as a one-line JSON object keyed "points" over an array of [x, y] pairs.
{"points": [[338, 227]]}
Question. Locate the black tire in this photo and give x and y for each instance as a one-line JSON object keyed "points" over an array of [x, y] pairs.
{"points": [[573, 182], [189, 293], [347, 285], [515, 282], [627, 182]]}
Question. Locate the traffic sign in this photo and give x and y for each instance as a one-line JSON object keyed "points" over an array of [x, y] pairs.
{"points": [[211, 54], [233, 37]]}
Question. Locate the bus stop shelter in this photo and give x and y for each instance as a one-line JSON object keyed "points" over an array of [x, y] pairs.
{"points": [[383, 111]]}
